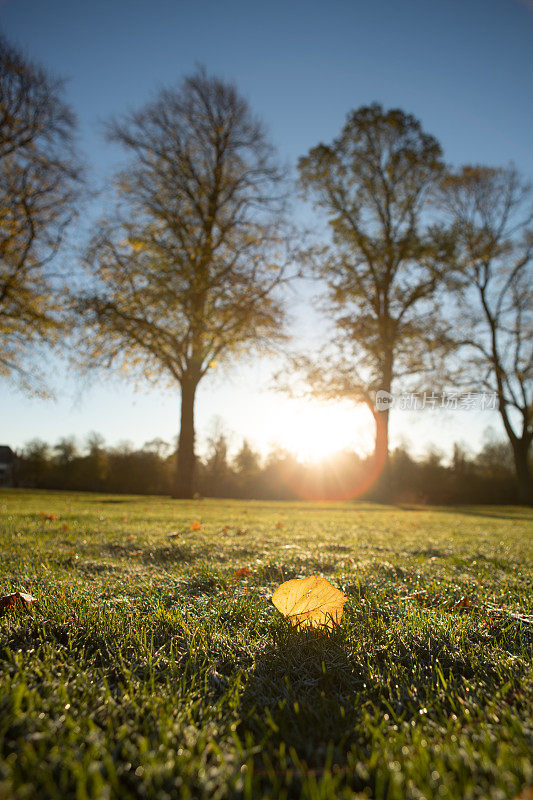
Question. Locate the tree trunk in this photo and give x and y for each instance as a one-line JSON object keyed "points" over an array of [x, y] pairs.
{"points": [[381, 455], [523, 472], [383, 404], [185, 468], [520, 451]]}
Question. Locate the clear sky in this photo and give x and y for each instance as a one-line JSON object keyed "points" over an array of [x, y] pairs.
{"points": [[463, 67]]}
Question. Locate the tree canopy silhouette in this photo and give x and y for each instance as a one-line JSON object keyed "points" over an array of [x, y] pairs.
{"points": [[39, 183], [385, 260], [187, 267], [490, 211]]}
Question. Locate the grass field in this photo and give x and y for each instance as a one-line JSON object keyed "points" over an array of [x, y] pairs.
{"points": [[147, 669]]}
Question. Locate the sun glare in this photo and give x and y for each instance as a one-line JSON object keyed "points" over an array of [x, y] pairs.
{"points": [[313, 431]]}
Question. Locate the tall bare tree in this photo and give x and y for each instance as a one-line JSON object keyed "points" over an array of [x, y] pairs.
{"points": [[39, 183], [186, 270], [383, 266], [491, 215]]}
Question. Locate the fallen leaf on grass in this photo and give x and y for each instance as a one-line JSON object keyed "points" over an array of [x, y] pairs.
{"points": [[310, 602], [14, 600], [463, 603], [279, 525], [48, 517], [242, 572], [174, 535], [196, 526], [424, 599], [419, 597]]}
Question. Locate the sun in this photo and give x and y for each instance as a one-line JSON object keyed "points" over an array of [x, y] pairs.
{"points": [[312, 430]]}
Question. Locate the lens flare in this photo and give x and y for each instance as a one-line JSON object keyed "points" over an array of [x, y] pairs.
{"points": [[343, 477]]}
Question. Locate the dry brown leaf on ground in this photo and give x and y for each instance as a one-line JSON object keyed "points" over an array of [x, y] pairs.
{"points": [[14, 600], [464, 602], [423, 599], [310, 602], [242, 572], [419, 597]]}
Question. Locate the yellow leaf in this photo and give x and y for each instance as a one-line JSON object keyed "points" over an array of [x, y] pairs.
{"points": [[310, 602]]}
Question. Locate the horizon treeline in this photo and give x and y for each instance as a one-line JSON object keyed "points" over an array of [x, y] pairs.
{"points": [[485, 477]]}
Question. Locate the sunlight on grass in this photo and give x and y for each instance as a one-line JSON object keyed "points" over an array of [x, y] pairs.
{"points": [[157, 666]]}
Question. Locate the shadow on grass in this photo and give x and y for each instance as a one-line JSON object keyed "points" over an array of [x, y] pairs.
{"points": [[305, 691], [164, 554], [323, 697], [473, 511], [204, 583], [107, 501]]}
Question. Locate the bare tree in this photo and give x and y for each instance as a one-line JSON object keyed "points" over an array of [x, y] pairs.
{"points": [[384, 263], [39, 184], [491, 215], [186, 270]]}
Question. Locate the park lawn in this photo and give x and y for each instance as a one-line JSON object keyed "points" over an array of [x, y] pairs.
{"points": [[147, 669]]}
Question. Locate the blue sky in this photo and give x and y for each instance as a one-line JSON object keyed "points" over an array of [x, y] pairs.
{"points": [[464, 68]]}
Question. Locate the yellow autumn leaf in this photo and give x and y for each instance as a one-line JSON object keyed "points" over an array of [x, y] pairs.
{"points": [[310, 602]]}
